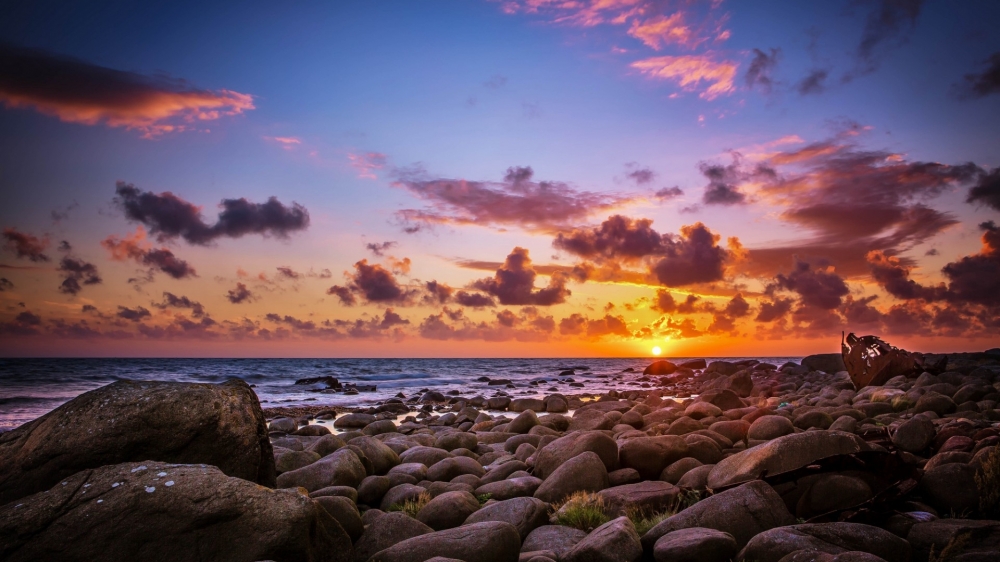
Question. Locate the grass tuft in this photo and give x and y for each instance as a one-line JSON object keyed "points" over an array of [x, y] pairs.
{"points": [[643, 520], [581, 510], [412, 507], [901, 403], [483, 498]]}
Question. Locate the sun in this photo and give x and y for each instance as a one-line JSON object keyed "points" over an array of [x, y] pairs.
{"points": [[657, 350]]}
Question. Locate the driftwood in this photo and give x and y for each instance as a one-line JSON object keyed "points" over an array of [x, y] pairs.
{"points": [[871, 361]]}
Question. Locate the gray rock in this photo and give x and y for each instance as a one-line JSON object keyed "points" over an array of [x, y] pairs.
{"points": [[344, 491], [217, 424], [742, 512], [383, 458], [831, 538], [490, 541], [510, 488], [156, 511], [426, 456], [284, 425], [914, 435], [523, 422], [696, 544], [549, 457], [457, 440], [326, 445], [650, 455], [345, 512], [770, 427], [379, 427], [417, 470], [353, 421], [385, 531], [448, 510], [525, 514], [582, 473], [614, 541], [293, 460], [341, 468], [446, 469], [522, 404], [782, 455], [650, 497], [556, 538]]}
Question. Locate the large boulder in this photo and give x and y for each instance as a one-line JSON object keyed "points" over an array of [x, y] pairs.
{"points": [[582, 473], [526, 514], [549, 457], [967, 540], [490, 541], [831, 538], [782, 455], [446, 469], [696, 544], [661, 367], [914, 435], [518, 487], [651, 496], [340, 468], [448, 510], [385, 531], [826, 362], [154, 511], [742, 512], [614, 541], [770, 427], [217, 424], [650, 455], [951, 488], [383, 458]]}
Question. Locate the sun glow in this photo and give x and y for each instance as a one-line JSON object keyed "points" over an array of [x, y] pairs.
{"points": [[657, 350]]}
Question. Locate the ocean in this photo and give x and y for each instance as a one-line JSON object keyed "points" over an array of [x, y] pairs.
{"points": [[32, 387]]}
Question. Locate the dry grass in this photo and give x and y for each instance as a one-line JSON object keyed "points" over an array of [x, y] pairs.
{"points": [[411, 507], [581, 510], [901, 403], [955, 546], [643, 520], [988, 483]]}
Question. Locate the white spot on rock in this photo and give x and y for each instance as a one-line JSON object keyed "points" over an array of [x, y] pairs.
{"points": [[169, 483], [150, 489], [100, 501], [161, 473], [138, 468], [116, 484]]}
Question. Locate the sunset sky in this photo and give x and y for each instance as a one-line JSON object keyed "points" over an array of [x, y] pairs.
{"points": [[535, 178]]}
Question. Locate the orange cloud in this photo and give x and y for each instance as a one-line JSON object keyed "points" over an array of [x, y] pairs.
{"points": [[659, 31], [691, 71], [367, 163], [76, 91]]}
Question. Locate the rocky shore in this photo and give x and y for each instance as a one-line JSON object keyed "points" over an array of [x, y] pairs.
{"points": [[699, 462]]}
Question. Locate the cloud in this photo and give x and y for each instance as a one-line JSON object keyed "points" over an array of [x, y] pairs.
{"points": [[62, 213], [373, 283], [528, 326], [171, 300], [987, 190], [693, 73], [617, 238], [890, 20], [639, 174], [25, 245], [473, 300], [24, 324], [495, 82], [820, 288], [287, 272], [761, 68], [813, 83], [668, 193], [660, 31], [773, 310], [379, 248], [135, 248], [76, 91], [5, 284], [514, 283], [133, 314], [169, 217], [287, 143], [240, 294], [76, 271], [437, 293], [981, 84], [305, 325], [724, 181], [367, 163], [693, 257], [518, 200]]}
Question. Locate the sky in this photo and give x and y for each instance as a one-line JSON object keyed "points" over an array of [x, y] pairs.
{"points": [[498, 178]]}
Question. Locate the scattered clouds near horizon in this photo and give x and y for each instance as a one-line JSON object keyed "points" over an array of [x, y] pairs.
{"points": [[135, 247], [25, 245], [169, 217], [76, 91], [518, 200]]}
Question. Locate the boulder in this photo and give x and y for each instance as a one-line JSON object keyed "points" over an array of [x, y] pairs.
{"points": [[590, 420], [831, 538], [525, 514], [353, 421], [614, 541], [658, 368], [742, 512], [326, 445], [523, 422], [725, 399], [696, 544], [782, 455], [951, 488], [522, 404], [282, 425], [967, 540], [555, 538], [649, 497], [426, 456], [582, 473], [400, 494], [770, 427], [549, 457], [448, 510], [556, 404], [676, 470], [345, 512], [155, 511], [293, 460], [382, 457], [446, 469], [340, 468], [457, 440], [832, 492], [216, 424], [372, 489], [344, 491], [650, 455], [825, 362], [490, 541], [935, 402], [385, 531], [517, 487]]}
